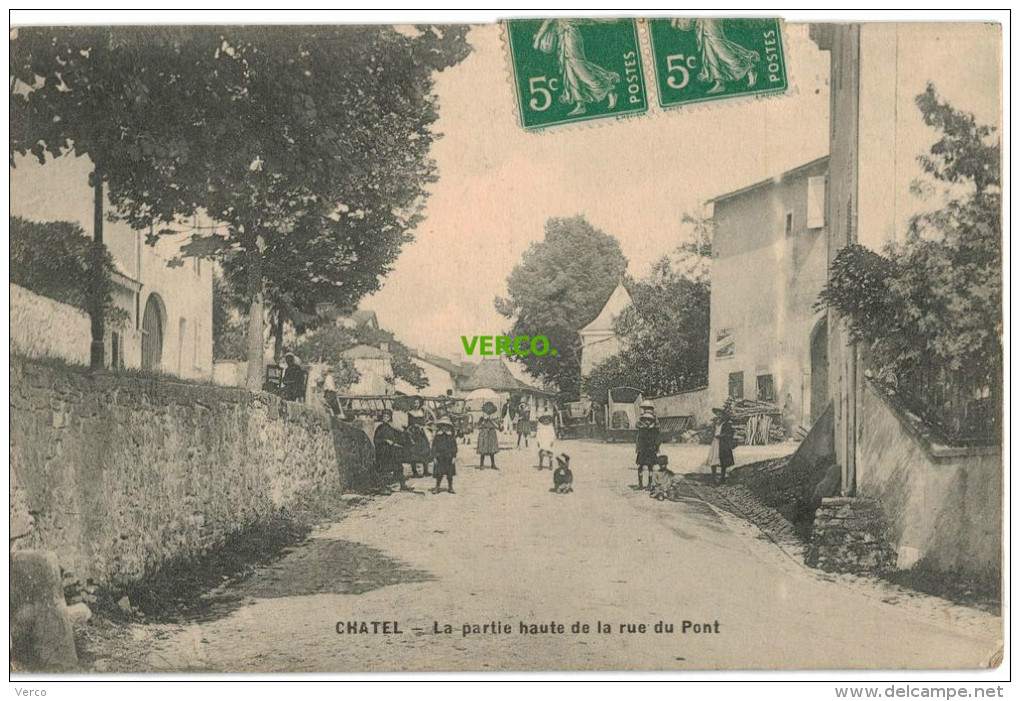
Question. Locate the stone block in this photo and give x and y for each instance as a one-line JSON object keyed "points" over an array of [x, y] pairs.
{"points": [[41, 633]]}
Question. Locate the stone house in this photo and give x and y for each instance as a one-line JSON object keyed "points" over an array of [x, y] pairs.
{"points": [[599, 341], [375, 368], [769, 252], [169, 327], [443, 374]]}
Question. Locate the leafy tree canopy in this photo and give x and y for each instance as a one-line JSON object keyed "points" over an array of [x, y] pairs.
{"points": [[560, 286], [931, 306], [309, 144]]}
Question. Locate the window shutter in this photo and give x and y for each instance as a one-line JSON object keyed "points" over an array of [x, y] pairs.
{"points": [[816, 202]]}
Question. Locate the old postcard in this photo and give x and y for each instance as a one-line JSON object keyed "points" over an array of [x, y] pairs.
{"points": [[551, 344]]}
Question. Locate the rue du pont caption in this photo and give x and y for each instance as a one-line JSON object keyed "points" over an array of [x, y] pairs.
{"points": [[526, 628]]}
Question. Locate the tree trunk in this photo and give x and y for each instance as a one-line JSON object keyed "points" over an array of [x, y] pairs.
{"points": [[278, 336], [97, 350], [256, 320]]}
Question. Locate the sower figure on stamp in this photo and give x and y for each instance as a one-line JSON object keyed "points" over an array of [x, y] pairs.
{"points": [[444, 447], [488, 435], [583, 81], [388, 451], [648, 442], [722, 60]]}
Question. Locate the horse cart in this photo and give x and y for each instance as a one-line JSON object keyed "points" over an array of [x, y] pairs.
{"points": [[621, 414], [370, 406], [573, 419]]}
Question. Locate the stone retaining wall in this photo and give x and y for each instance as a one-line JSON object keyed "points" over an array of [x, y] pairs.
{"points": [[119, 474], [850, 535]]}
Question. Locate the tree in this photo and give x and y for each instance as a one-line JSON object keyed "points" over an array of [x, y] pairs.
{"points": [[664, 335], [87, 91], [965, 152], [309, 145], [560, 286], [228, 324], [693, 258], [930, 309]]}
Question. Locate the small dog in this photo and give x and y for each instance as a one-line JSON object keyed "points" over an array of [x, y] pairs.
{"points": [[563, 478]]}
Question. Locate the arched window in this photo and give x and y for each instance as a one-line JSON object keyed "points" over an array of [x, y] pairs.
{"points": [[153, 324]]}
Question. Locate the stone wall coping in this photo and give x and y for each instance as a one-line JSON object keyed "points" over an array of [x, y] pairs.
{"points": [[146, 384], [841, 501]]}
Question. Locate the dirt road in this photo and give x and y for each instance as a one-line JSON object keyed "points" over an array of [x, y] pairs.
{"points": [[504, 551]]}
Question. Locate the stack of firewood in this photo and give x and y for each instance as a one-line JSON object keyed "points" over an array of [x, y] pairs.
{"points": [[755, 422]]}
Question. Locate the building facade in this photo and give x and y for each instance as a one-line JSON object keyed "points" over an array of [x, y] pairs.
{"points": [[443, 374], [943, 503], [877, 134], [375, 370], [169, 327], [769, 263]]}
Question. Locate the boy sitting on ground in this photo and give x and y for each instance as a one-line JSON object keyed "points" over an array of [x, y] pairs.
{"points": [[667, 485]]}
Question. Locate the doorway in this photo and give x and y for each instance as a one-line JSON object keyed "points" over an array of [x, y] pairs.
{"points": [[153, 323], [819, 369]]}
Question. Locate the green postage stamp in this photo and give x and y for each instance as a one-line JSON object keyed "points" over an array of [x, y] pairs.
{"points": [[572, 70], [697, 60]]}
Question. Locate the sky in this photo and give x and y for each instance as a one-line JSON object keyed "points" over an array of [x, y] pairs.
{"points": [[634, 179]]}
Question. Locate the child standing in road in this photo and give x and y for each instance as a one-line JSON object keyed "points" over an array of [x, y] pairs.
{"points": [[488, 436], [648, 442], [523, 423], [545, 437], [444, 448], [720, 454]]}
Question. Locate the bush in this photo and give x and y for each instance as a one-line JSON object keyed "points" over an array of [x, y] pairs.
{"points": [[929, 310], [57, 259]]}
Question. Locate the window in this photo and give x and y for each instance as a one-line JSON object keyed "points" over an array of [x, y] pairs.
{"points": [[724, 343], [736, 385], [766, 388], [788, 227]]}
